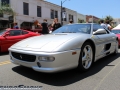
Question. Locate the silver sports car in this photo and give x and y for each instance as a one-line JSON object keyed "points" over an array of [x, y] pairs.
{"points": [[71, 46]]}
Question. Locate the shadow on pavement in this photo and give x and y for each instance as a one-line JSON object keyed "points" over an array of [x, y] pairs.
{"points": [[66, 77], [4, 53]]}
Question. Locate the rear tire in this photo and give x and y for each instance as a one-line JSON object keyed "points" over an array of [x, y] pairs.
{"points": [[86, 57]]}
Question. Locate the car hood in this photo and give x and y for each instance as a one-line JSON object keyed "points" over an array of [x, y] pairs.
{"points": [[44, 43]]}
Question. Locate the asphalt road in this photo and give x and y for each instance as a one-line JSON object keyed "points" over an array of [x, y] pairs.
{"points": [[104, 75]]}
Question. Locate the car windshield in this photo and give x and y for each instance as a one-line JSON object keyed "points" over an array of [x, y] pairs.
{"points": [[116, 31], [74, 28], [2, 31]]}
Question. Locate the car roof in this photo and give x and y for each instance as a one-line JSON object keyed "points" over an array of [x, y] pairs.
{"points": [[12, 29], [9, 29]]}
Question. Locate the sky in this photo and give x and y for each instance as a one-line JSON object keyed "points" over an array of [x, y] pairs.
{"points": [[99, 8]]}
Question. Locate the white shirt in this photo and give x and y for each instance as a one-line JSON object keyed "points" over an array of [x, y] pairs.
{"points": [[103, 25], [108, 25]]}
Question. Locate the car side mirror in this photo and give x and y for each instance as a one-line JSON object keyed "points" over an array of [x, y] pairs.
{"points": [[99, 31]]}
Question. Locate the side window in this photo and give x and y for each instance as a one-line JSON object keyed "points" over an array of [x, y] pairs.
{"points": [[107, 31], [100, 27], [95, 27], [24, 32], [15, 32]]}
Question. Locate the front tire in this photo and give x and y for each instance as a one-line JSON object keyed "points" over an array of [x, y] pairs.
{"points": [[86, 57]]}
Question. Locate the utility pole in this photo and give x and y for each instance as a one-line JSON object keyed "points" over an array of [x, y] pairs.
{"points": [[62, 11], [61, 14]]}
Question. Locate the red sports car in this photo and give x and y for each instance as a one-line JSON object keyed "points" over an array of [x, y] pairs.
{"points": [[117, 32], [10, 36]]}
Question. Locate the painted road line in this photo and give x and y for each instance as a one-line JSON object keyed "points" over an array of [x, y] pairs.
{"points": [[5, 62]]}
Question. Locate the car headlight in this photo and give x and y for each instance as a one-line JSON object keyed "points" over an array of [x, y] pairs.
{"points": [[46, 58]]}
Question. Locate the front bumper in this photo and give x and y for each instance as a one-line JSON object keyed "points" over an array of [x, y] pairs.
{"points": [[63, 60]]}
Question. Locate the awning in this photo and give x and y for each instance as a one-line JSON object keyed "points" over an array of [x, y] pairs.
{"points": [[117, 27], [4, 19]]}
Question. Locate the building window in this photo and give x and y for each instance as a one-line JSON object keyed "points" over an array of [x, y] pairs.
{"points": [[4, 2], [56, 14], [25, 8], [38, 11], [52, 14], [65, 19], [71, 17]]}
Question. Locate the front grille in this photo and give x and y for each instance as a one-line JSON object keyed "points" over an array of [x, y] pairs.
{"points": [[24, 57]]}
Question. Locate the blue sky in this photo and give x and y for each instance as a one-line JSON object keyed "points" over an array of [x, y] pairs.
{"points": [[99, 8]]}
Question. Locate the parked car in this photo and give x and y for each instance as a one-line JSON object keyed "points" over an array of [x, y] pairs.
{"points": [[70, 46], [9, 37], [117, 32], [36, 30]]}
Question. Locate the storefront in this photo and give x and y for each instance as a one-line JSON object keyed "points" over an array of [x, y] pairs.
{"points": [[26, 25], [4, 24]]}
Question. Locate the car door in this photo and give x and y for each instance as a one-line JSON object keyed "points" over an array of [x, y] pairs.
{"points": [[29, 34], [11, 38], [26, 34], [104, 42]]}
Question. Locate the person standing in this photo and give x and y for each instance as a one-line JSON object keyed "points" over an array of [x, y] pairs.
{"points": [[16, 26], [44, 27], [103, 24], [56, 24], [108, 25]]}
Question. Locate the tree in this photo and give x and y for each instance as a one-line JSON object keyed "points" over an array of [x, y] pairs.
{"points": [[80, 21], [108, 18], [6, 9]]}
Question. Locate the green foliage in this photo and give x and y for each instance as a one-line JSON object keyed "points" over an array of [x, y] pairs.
{"points": [[80, 21], [108, 18], [6, 9]]}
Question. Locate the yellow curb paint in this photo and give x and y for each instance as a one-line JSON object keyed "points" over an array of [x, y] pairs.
{"points": [[5, 62]]}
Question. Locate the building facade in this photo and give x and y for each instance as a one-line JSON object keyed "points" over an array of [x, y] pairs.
{"points": [[92, 19], [81, 18], [116, 21], [28, 11]]}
